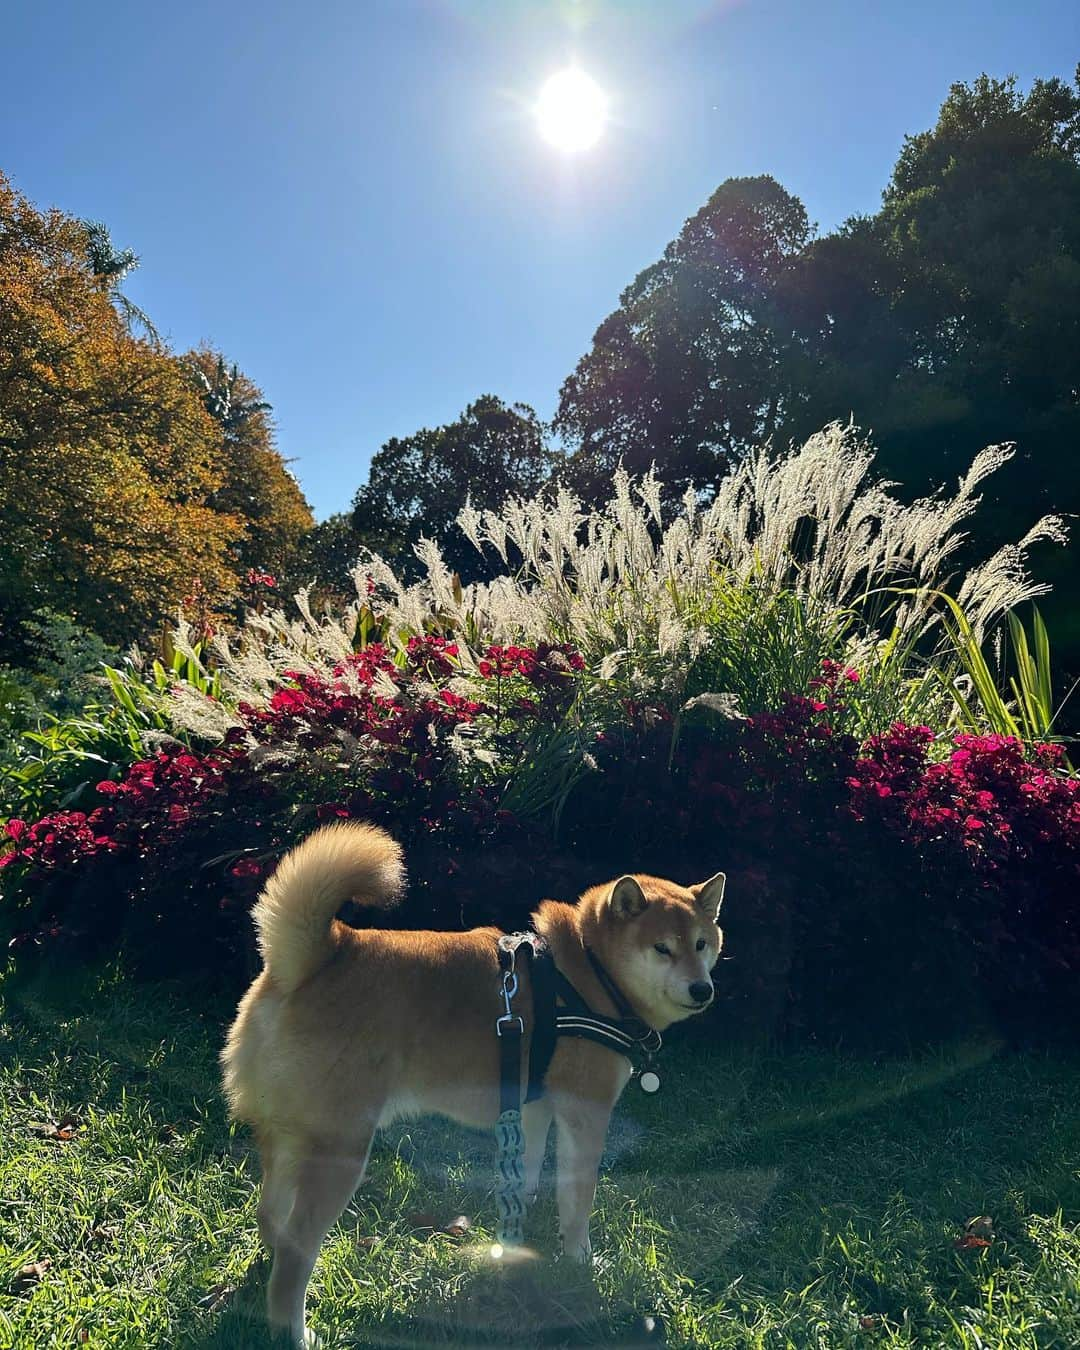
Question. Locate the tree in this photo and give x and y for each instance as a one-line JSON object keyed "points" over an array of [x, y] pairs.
{"points": [[325, 559], [256, 484], [118, 489], [418, 484], [687, 372], [948, 320], [951, 319], [111, 265]]}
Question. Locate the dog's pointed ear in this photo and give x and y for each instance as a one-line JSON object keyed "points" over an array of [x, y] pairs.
{"points": [[627, 898], [709, 895]]}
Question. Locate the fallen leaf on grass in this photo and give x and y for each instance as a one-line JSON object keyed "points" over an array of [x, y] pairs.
{"points": [[978, 1233], [868, 1322], [217, 1296], [59, 1131], [32, 1273], [430, 1225]]}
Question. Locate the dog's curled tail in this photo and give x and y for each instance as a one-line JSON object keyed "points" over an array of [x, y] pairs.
{"points": [[294, 916]]}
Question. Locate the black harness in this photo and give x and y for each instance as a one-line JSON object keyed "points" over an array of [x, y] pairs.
{"points": [[559, 1010]]}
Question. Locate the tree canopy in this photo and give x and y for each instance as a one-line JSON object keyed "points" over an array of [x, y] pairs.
{"points": [[118, 489], [256, 485], [687, 371], [948, 320], [951, 319], [418, 484]]}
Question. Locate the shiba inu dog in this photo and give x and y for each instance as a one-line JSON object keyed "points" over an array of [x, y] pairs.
{"points": [[347, 1029]]}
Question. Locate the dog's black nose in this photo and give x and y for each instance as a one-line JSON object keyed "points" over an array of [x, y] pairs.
{"points": [[701, 991]]}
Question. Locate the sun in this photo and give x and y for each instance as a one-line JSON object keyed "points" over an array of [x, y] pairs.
{"points": [[571, 110]]}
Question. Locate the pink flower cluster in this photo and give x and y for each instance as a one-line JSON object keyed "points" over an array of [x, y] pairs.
{"points": [[545, 664], [833, 676], [433, 657], [989, 796], [785, 795], [398, 722], [403, 725], [986, 802], [58, 840], [147, 809], [315, 711]]}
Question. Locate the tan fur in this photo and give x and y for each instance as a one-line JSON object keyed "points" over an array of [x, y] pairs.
{"points": [[294, 914], [345, 1029]]}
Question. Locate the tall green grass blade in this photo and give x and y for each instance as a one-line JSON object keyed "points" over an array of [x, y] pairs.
{"points": [[120, 691], [991, 702], [1042, 660]]}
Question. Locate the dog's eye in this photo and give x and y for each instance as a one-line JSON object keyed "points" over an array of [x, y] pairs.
{"points": [[663, 948], [701, 944]]}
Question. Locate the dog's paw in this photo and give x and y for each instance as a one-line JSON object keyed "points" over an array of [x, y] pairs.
{"points": [[577, 1252], [282, 1339]]}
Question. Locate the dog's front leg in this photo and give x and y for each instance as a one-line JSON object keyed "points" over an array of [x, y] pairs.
{"points": [[581, 1128]]}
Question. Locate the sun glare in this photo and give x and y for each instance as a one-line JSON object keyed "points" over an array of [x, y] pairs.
{"points": [[571, 111]]}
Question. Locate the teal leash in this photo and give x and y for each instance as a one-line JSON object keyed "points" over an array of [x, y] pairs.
{"points": [[509, 1133]]}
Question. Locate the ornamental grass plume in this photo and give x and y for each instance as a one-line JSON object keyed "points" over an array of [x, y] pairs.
{"points": [[631, 584]]}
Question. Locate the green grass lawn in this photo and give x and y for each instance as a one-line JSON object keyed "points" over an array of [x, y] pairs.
{"points": [[771, 1200]]}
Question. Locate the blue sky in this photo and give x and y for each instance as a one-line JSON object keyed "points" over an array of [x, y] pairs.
{"points": [[352, 200]]}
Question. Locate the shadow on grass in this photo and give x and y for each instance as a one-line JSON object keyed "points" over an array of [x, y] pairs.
{"points": [[512, 1309], [95, 1038], [743, 1174]]}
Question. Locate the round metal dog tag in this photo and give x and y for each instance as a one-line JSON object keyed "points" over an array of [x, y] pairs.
{"points": [[650, 1082]]}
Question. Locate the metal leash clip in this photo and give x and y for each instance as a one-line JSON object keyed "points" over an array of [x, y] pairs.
{"points": [[509, 989]]}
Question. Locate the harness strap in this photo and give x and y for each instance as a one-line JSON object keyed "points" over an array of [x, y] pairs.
{"points": [[545, 978], [622, 1005], [626, 1035]]}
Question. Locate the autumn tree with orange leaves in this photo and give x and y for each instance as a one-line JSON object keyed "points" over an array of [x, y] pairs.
{"points": [[119, 488]]}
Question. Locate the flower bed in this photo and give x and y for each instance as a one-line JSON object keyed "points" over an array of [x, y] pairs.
{"points": [[774, 686], [928, 880]]}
